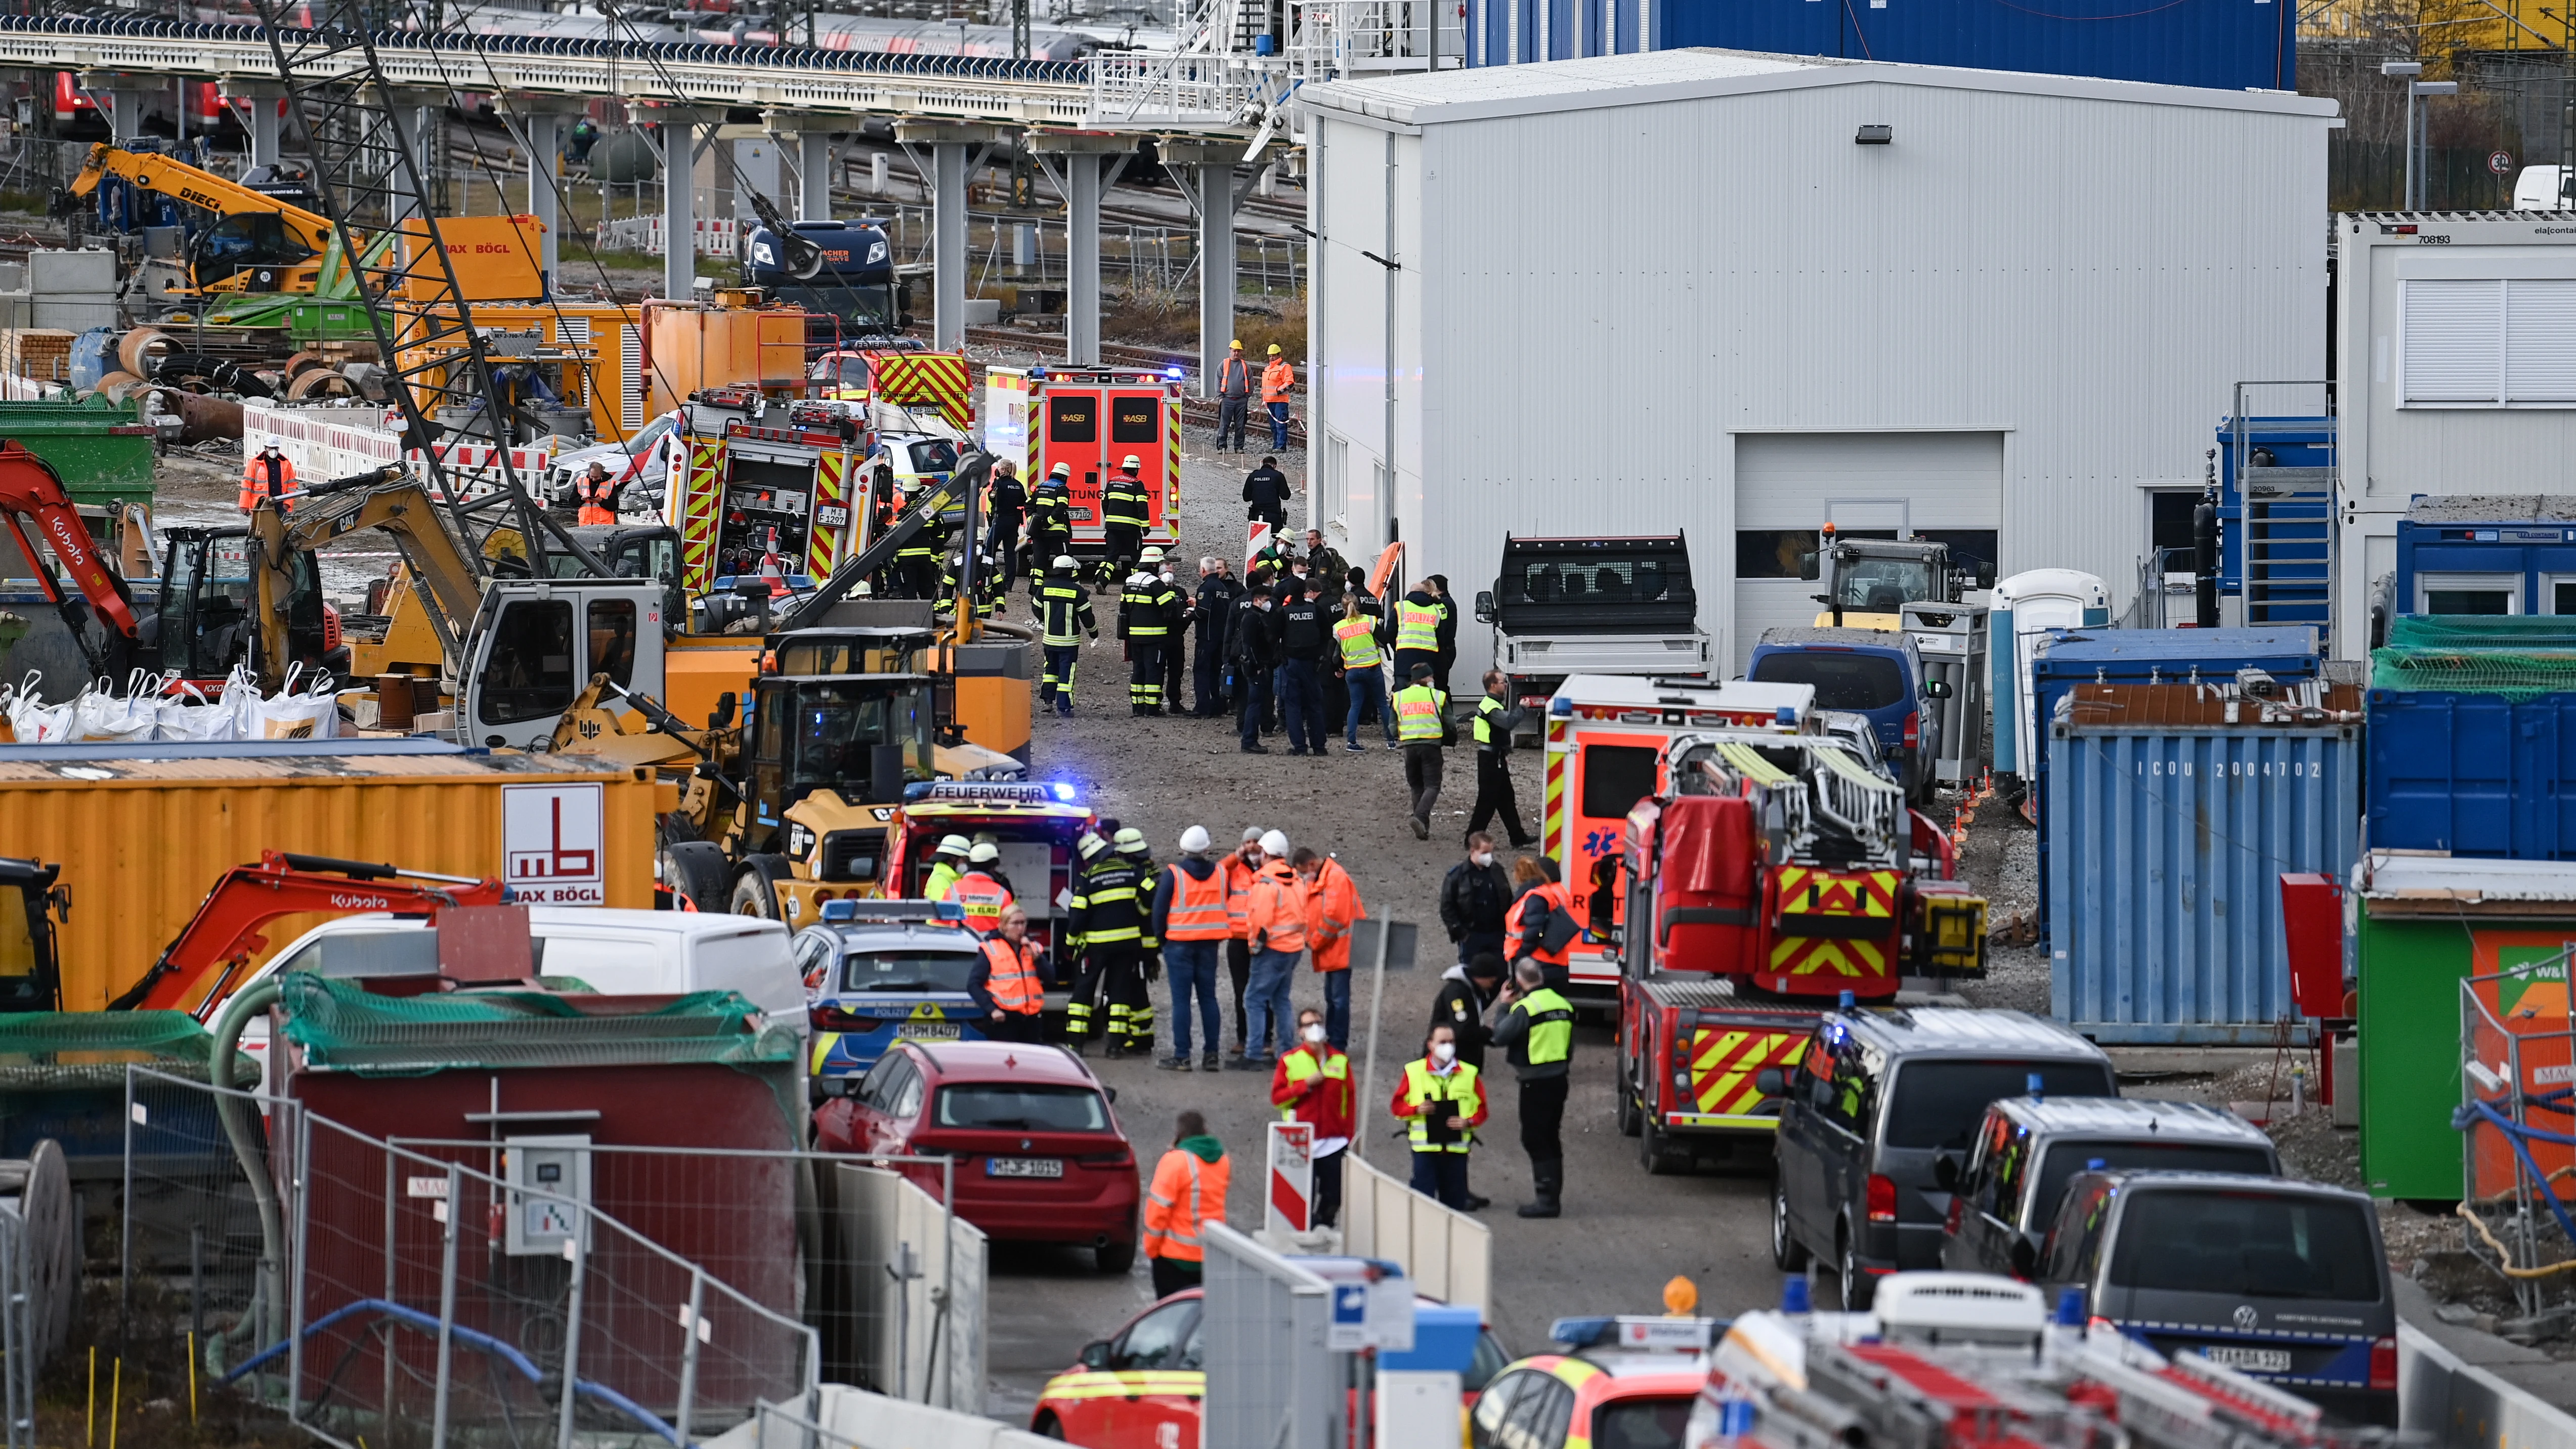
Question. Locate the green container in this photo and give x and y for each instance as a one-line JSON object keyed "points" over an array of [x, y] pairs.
{"points": [[2426, 923], [102, 449]]}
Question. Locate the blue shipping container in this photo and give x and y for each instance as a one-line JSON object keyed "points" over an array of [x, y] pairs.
{"points": [[2143, 656], [2474, 556], [2473, 774], [2171, 843], [2225, 44]]}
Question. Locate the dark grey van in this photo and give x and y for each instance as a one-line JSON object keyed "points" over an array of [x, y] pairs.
{"points": [[2286, 1281], [1878, 1098], [2028, 1148]]}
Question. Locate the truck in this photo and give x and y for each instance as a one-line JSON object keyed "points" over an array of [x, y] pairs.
{"points": [[1605, 739], [1772, 874], [762, 486], [1869, 581], [1602, 606]]}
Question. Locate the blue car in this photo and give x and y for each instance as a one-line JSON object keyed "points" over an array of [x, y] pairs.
{"points": [[1874, 673], [878, 972]]}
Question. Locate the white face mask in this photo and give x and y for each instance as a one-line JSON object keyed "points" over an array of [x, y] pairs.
{"points": [[1315, 1032], [1484, 858], [1443, 1052]]}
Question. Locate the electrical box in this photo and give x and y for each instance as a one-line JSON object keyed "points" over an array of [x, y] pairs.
{"points": [[552, 1169]]}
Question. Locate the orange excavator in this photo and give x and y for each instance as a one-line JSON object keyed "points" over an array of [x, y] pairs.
{"points": [[31, 489], [197, 969]]}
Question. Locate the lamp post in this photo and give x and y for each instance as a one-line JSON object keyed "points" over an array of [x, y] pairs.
{"points": [[2409, 71]]}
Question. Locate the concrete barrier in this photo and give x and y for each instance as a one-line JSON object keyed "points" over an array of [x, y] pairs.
{"points": [[2463, 1406], [849, 1418], [1447, 1254]]}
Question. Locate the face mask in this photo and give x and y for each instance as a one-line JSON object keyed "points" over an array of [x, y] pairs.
{"points": [[1315, 1033], [1484, 860], [1443, 1052]]}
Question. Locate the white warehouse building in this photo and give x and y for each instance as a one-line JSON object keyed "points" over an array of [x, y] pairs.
{"points": [[1700, 291]]}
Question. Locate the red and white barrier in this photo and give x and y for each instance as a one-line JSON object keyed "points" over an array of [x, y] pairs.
{"points": [[1291, 1177]]}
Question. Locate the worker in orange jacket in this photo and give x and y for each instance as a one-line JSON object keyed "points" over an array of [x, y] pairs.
{"points": [[1233, 396], [1275, 911], [1187, 1194], [1333, 909], [1541, 925], [267, 473], [1238, 870], [597, 494], [1278, 379]]}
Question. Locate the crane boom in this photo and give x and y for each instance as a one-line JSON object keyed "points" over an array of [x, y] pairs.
{"points": [[31, 489]]}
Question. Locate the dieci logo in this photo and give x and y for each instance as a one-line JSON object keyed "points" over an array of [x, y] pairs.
{"points": [[552, 839]]}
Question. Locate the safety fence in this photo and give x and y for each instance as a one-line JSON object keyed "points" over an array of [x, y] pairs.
{"points": [[849, 1418], [1447, 1254], [2518, 1111]]}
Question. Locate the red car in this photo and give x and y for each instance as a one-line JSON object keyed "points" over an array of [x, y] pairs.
{"points": [[1040, 1155]]}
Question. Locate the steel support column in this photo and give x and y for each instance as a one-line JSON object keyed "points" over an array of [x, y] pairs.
{"points": [[125, 114], [1082, 261], [264, 126], [948, 244], [545, 137], [679, 208], [1216, 269], [814, 176]]}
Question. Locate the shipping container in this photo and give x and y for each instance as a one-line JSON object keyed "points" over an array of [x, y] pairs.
{"points": [[2071, 657], [142, 832], [2422, 925], [2171, 840], [2473, 773]]}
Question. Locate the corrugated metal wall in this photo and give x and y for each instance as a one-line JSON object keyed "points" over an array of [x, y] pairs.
{"points": [[1608, 296], [2228, 44], [2167, 848]]}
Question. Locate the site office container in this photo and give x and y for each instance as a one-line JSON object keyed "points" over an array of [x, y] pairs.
{"points": [[2147, 656], [2473, 774], [2173, 827], [143, 831]]}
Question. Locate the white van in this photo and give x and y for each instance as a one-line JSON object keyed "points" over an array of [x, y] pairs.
{"points": [[612, 952], [2536, 189]]}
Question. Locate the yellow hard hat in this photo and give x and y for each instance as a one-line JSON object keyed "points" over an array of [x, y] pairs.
{"points": [[1236, 344], [1274, 349]]}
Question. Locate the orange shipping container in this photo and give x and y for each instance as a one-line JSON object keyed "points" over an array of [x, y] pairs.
{"points": [[495, 258], [690, 346], [141, 840]]}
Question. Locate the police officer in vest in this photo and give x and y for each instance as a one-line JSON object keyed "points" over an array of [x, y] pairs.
{"points": [[1008, 988], [1145, 609], [1417, 619], [1050, 519], [1125, 512], [1064, 616], [1496, 718], [1421, 726], [1537, 1026]]}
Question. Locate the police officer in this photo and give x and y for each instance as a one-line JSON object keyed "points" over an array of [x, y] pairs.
{"points": [[1496, 718], [1537, 1026], [1109, 924], [1421, 726], [1145, 610], [1417, 632], [1064, 616], [1050, 519], [1004, 499], [1125, 512]]}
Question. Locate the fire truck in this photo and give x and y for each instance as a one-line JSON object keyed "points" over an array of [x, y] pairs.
{"points": [[1771, 871], [1092, 419], [763, 486], [1605, 752]]}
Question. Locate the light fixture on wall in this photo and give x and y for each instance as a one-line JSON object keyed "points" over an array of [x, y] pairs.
{"points": [[1875, 136]]}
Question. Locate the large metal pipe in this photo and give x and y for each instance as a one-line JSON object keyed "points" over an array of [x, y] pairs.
{"points": [[2204, 564]]}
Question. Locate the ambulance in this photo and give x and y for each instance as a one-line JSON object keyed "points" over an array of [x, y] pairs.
{"points": [[1092, 419], [1606, 735]]}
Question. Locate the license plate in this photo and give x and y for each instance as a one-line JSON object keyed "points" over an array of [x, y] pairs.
{"points": [[2256, 1360], [929, 1031], [1024, 1167], [831, 516]]}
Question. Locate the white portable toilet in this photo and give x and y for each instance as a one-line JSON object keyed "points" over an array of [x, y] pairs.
{"points": [[2026, 606]]}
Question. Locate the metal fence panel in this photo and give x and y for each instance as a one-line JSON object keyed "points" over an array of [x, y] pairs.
{"points": [[911, 1289], [1447, 1254], [1269, 1376]]}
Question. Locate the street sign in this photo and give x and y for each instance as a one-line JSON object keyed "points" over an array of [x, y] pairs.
{"points": [[2500, 162], [1375, 1314]]}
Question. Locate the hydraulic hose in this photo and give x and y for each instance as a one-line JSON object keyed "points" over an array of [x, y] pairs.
{"points": [[269, 1295]]}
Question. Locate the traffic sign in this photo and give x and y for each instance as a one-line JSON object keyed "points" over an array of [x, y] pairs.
{"points": [[2500, 162]]}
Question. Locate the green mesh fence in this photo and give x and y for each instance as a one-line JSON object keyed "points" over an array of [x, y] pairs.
{"points": [[2515, 673], [342, 1026], [82, 1050], [2482, 631]]}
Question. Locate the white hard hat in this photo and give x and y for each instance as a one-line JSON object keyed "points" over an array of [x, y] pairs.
{"points": [[1064, 561], [1274, 844], [984, 853], [1194, 839], [951, 845], [1133, 462], [1151, 556]]}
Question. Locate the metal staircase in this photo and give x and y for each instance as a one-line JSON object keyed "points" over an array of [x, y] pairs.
{"points": [[2276, 477]]}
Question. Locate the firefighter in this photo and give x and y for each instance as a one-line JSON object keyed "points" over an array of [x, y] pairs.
{"points": [[1128, 844], [981, 891], [1496, 718], [597, 495], [1051, 518], [1064, 616], [946, 864], [1541, 925], [1444, 1102], [1004, 499], [1537, 1026], [1278, 379], [987, 584], [1125, 514], [917, 562], [1008, 988], [269, 475], [1145, 611], [1234, 396], [1107, 920]]}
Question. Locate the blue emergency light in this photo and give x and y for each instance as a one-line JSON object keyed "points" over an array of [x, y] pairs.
{"points": [[1064, 793], [1561, 707], [1665, 1335], [1173, 373]]}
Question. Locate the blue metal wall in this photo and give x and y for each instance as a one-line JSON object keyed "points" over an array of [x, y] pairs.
{"points": [[2228, 44]]}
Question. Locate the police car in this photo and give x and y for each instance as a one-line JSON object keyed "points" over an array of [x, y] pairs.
{"points": [[877, 972]]}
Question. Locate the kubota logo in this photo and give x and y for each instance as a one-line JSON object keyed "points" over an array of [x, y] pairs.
{"points": [[344, 902]]}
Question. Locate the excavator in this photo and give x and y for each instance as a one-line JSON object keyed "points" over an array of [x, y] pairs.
{"points": [[263, 244], [30, 490]]}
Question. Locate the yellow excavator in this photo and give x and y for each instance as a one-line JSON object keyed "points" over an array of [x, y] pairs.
{"points": [[264, 244]]}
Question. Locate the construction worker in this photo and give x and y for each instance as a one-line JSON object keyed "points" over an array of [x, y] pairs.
{"points": [[1496, 718], [1275, 913], [1064, 616], [1239, 869], [1421, 726], [1233, 396], [1188, 1192], [1008, 988], [981, 891], [1333, 911], [1445, 1103], [947, 863], [1108, 919], [1125, 513], [1004, 500], [1417, 632], [267, 474], [1536, 1026], [1363, 673], [1313, 1085], [1278, 379], [595, 496], [1190, 919], [1145, 622], [1051, 519], [1541, 925]]}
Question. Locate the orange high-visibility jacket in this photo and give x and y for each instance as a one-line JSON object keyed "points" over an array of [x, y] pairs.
{"points": [[1276, 380], [1333, 908], [1277, 909], [1186, 1195]]}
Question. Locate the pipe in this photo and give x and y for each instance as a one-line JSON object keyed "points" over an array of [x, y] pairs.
{"points": [[270, 1293]]}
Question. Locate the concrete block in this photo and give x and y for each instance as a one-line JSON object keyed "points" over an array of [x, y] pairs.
{"points": [[91, 270]]}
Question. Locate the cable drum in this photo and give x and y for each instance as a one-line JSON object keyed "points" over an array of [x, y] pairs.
{"points": [[39, 1186]]}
